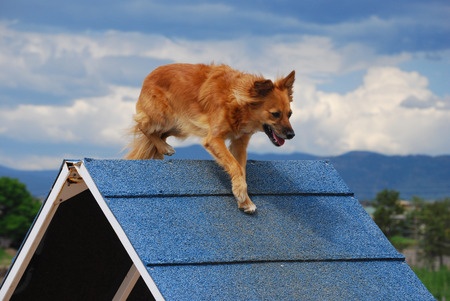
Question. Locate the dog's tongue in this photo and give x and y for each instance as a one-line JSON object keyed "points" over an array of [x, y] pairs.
{"points": [[280, 141]]}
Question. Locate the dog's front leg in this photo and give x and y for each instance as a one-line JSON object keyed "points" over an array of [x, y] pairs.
{"points": [[216, 146], [238, 147]]}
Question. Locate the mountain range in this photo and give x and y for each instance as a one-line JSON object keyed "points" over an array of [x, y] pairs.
{"points": [[366, 173]]}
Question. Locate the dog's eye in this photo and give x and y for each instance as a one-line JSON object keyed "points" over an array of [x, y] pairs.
{"points": [[276, 114], [289, 114]]}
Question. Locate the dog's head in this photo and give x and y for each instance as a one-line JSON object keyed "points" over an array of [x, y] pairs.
{"points": [[272, 103]]}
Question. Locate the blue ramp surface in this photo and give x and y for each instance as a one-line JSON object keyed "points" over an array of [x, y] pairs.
{"points": [[310, 238]]}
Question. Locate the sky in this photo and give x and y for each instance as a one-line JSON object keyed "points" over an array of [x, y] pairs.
{"points": [[370, 75]]}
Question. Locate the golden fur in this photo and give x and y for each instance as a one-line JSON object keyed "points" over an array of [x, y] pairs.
{"points": [[216, 103]]}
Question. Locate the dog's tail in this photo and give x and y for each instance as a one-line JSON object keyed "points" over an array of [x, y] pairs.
{"points": [[141, 147]]}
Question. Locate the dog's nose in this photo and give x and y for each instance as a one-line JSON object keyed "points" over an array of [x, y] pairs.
{"points": [[290, 134]]}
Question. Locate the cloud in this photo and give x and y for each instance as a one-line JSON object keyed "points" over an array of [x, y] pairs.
{"points": [[66, 66], [95, 120], [86, 64], [389, 27], [374, 117]]}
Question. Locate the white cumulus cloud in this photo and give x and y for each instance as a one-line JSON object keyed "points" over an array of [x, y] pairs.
{"points": [[373, 116], [96, 120]]}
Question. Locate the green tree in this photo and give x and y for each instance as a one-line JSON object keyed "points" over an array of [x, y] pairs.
{"points": [[435, 231], [413, 217], [387, 209], [17, 210]]}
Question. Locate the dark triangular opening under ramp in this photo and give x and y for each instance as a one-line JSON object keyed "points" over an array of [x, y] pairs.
{"points": [[79, 256]]}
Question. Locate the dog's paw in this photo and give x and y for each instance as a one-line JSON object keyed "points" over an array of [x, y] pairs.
{"points": [[248, 207]]}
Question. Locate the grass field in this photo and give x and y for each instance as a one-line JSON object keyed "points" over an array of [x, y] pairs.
{"points": [[401, 243], [437, 282], [5, 257]]}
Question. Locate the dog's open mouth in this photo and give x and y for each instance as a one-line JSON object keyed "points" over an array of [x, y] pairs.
{"points": [[276, 140]]}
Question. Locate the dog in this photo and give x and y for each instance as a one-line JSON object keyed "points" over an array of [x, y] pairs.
{"points": [[216, 103]]}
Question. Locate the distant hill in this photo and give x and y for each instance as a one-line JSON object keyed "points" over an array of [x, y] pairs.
{"points": [[365, 173], [368, 173], [38, 183]]}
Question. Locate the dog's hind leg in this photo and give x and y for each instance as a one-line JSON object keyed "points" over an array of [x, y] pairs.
{"points": [[162, 147], [149, 147], [158, 140], [141, 148], [151, 128]]}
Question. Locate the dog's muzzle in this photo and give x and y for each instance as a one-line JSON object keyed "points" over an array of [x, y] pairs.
{"points": [[288, 133]]}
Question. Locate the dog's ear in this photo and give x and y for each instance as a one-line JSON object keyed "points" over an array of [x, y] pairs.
{"points": [[261, 88], [288, 81], [288, 84]]}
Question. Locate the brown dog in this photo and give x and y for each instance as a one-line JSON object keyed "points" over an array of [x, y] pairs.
{"points": [[217, 103]]}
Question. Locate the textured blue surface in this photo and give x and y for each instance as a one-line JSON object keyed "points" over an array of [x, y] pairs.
{"points": [[212, 229], [195, 177], [310, 238], [334, 281]]}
